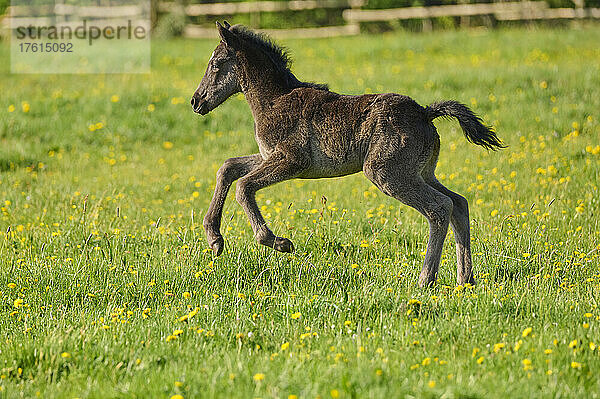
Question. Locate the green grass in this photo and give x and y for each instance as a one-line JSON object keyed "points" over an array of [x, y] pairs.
{"points": [[106, 251]]}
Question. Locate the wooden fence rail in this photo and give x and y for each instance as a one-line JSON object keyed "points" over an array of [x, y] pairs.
{"points": [[194, 10], [459, 10], [197, 32], [552, 13], [510, 11]]}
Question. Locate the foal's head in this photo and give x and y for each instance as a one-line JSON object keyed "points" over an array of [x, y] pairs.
{"points": [[220, 80]]}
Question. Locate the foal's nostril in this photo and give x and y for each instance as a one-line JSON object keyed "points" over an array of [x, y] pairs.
{"points": [[193, 101]]}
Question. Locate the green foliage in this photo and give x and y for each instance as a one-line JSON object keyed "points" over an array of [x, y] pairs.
{"points": [[106, 290], [170, 25], [4, 5]]}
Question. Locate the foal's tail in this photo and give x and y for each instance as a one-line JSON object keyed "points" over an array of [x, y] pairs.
{"points": [[471, 124]]}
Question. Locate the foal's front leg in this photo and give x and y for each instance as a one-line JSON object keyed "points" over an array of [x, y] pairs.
{"points": [[279, 167], [232, 169]]}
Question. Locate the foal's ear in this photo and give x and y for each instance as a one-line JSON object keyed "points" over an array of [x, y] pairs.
{"points": [[228, 37]]}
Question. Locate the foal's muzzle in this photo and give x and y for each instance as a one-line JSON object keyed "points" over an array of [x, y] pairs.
{"points": [[199, 105]]}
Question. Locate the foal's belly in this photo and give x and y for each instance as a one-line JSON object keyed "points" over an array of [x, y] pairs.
{"points": [[322, 165]]}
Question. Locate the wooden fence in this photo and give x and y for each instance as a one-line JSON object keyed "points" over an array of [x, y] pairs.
{"points": [[510, 11], [257, 7], [194, 10], [523, 9], [353, 15]]}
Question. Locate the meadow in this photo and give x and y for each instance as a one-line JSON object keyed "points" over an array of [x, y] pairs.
{"points": [[108, 290]]}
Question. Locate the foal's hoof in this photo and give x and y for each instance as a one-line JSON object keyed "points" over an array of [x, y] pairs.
{"points": [[470, 281], [283, 245], [217, 246], [426, 282]]}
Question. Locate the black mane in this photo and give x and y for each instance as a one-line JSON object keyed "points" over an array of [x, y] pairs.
{"points": [[277, 54]]}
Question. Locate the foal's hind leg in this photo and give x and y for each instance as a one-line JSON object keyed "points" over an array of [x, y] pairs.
{"points": [[232, 169], [459, 222], [462, 234], [404, 183], [279, 167]]}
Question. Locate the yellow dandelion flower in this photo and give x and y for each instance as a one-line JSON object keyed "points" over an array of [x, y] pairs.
{"points": [[11, 108], [25, 106], [18, 303], [431, 384], [334, 393], [187, 295], [296, 316], [189, 315], [258, 377], [167, 145], [528, 330], [285, 345], [151, 107], [480, 360], [573, 344], [177, 396], [518, 345], [65, 355], [114, 98], [12, 285], [575, 365]]}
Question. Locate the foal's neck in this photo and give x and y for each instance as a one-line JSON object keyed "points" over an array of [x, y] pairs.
{"points": [[261, 84]]}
